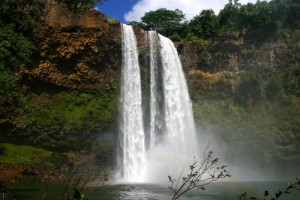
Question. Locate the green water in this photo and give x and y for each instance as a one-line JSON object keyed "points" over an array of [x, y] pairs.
{"points": [[216, 191]]}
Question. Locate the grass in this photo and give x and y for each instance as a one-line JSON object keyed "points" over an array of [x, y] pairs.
{"points": [[19, 154]]}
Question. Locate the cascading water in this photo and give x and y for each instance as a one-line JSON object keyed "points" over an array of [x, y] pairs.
{"points": [[177, 143], [155, 115], [131, 132], [171, 138], [179, 120]]}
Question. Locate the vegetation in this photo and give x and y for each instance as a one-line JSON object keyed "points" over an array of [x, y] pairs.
{"points": [[9, 88], [166, 22], [17, 19], [203, 174], [292, 186], [260, 18], [56, 120], [239, 107], [75, 180], [15, 48], [199, 176], [19, 154], [43, 119], [204, 25]]}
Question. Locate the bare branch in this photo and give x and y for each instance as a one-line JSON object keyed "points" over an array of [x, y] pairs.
{"points": [[199, 175]]}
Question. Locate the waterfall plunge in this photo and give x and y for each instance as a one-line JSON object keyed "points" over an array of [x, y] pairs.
{"points": [[172, 138], [132, 160]]}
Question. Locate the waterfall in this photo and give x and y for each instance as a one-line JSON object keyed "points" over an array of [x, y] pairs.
{"points": [[172, 136], [131, 131], [176, 145], [155, 115], [179, 120]]}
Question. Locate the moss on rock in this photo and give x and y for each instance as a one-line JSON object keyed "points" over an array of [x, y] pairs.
{"points": [[64, 120]]}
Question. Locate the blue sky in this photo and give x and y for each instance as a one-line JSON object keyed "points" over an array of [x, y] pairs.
{"points": [[116, 9], [132, 10]]}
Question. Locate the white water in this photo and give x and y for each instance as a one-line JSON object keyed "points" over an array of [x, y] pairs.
{"points": [[180, 126], [177, 146], [155, 119], [172, 138], [131, 132]]}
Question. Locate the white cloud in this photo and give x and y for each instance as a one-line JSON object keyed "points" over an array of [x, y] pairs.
{"points": [[190, 7]]}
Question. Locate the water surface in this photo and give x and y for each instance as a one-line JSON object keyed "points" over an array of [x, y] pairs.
{"points": [[216, 191]]}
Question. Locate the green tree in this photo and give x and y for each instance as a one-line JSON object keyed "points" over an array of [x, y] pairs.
{"points": [[17, 20], [292, 17], [258, 17], [21, 13], [137, 24], [206, 24], [228, 16], [164, 21], [15, 48]]}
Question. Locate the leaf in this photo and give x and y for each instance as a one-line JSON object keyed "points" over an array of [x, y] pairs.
{"points": [[266, 193], [170, 178], [202, 188], [77, 194], [278, 194]]}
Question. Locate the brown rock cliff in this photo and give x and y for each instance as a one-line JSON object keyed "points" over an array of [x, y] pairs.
{"points": [[78, 49]]}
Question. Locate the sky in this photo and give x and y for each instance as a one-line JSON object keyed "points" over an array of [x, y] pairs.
{"points": [[132, 10]]}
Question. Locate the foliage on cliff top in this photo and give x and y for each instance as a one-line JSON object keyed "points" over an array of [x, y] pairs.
{"points": [[257, 19], [162, 20]]}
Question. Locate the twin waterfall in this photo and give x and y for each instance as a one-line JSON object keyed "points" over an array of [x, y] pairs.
{"points": [[159, 141]]}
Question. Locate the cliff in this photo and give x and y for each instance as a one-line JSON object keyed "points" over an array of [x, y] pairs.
{"points": [[245, 96], [76, 50], [69, 93]]}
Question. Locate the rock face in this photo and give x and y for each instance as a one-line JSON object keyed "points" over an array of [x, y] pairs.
{"points": [[246, 96], [235, 53], [228, 57], [78, 50], [68, 95]]}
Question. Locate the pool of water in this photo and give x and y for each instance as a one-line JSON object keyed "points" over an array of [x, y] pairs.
{"points": [[216, 191]]}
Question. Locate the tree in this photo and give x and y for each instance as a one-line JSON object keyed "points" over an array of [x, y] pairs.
{"points": [[22, 14], [292, 18], [205, 24], [137, 24], [228, 15], [256, 17], [15, 48], [200, 175], [165, 22], [17, 20]]}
